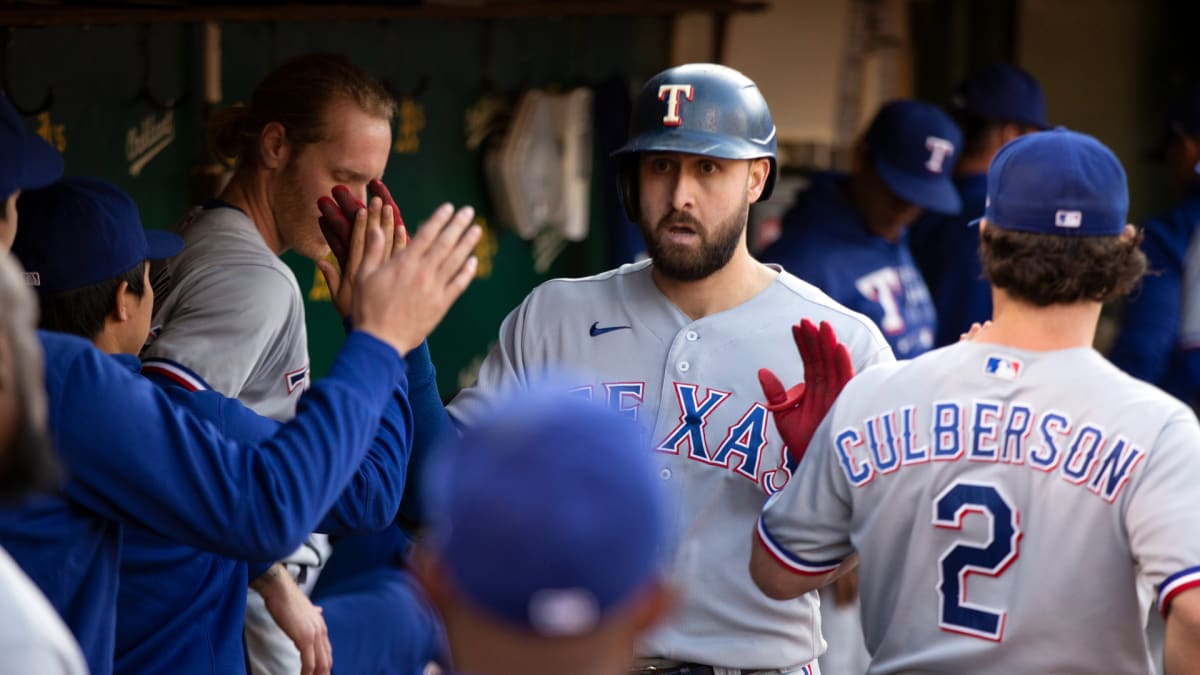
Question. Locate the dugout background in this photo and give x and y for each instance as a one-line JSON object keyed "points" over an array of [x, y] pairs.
{"points": [[1108, 66]]}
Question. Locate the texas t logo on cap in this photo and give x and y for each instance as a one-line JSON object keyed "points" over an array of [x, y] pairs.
{"points": [[670, 93], [939, 149]]}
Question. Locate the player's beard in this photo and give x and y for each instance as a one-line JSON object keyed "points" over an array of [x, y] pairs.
{"points": [[296, 217], [716, 249]]}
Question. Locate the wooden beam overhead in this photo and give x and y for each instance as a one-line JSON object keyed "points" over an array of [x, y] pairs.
{"points": [[64, 14]]}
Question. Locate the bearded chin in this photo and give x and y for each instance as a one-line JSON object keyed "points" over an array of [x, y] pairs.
{"points": [[693, 265]]}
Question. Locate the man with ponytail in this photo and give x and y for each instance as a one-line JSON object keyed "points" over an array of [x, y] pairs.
{"points": [[231, 312]]}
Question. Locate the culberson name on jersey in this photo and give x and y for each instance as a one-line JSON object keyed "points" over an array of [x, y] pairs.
{"points": [[1080, 451]]}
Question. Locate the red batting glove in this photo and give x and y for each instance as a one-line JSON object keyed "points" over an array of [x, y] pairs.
{"points": [[827, 368], [376, 188], [337, 215]]}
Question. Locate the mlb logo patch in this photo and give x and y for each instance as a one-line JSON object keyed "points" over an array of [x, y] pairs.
{"points": [[1064, 218], [1002, 367]]}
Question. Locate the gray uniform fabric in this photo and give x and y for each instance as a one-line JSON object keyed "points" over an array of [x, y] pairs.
{"points": [[693, 386], [999, 497], [233, 313], [34, 639]]}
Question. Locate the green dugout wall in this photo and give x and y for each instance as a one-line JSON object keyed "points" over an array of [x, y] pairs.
{"points": [[109, 125]]}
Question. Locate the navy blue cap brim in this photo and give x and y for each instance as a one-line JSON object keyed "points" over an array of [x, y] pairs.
{"points": [[934, 193], [41, 165], [161, 244]]}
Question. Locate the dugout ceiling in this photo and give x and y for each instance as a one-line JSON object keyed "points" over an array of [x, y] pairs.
{"points": [[119, 88]]}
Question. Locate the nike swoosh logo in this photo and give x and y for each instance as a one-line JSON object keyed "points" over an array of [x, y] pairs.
{"points": [[597, 330]]}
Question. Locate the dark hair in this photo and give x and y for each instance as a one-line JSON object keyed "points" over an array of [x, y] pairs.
{"points": [[295, 94], [82, 311], [1045, 269], [977, 129]]}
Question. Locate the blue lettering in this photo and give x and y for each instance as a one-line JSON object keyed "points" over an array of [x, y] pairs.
{"points": [[746, 438], [908, 416], [983, 431], [1052, 423], [1115, 469], [892, 462], [947, 432], [1015, 432], [620, 395], [692, 419], [857, 474], [1090, 439]]}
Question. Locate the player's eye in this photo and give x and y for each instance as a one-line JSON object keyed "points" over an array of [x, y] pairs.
{"points": [[709, 168], [660, 164]]}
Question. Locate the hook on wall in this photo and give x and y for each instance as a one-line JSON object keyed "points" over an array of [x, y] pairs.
{"points": [[5, 86], [144, 93]]}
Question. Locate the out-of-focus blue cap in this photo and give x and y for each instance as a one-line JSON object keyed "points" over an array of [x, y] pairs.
{"points": [[547, 513], [26, 160], [1004, 93], [914, 146], [81, 231]]}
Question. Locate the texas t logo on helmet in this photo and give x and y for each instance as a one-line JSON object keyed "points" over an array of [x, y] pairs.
{"points": [[670, 93]]}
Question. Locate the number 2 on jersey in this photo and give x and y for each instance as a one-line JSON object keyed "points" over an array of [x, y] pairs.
{"points": [[963, 559]]}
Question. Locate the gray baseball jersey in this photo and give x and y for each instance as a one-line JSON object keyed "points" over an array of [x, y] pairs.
{"points": [[232, 314], [693, 385], [999, 497]]}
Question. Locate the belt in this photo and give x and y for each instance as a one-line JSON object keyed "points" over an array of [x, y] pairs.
{"points": [[664, 667]]}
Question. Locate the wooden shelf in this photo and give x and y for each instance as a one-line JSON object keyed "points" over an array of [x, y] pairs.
{"points": [[96, 14]]}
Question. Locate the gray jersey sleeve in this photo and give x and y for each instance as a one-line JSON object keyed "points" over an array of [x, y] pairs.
{"points": [[806, 525], [1161, 512], [241, 330]]}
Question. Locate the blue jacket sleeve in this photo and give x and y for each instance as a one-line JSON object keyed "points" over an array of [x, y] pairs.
{"points": [[371, 500], [432, 425], [1150, 325], [134, 456]]}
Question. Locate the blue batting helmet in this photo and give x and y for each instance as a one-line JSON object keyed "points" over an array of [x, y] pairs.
{"points": [[701, 109]]}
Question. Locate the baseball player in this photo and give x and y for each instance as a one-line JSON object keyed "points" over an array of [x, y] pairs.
{"points": [[194, 622], [34, 639], [847, 235], [315, 121], [1160, 326], [1008, 499], [672, 342], [992, 106], [134, 457], [577, 527]]}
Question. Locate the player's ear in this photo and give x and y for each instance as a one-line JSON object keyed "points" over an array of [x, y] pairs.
{"points": [[120, 311], [273, 146], [1129, 232], [759, 170]]}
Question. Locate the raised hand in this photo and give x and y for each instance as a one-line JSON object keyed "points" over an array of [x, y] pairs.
{"points": [[827, 368], [402, 298]]}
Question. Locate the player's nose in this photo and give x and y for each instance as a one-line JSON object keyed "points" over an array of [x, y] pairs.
{"points": [[683, 194]]}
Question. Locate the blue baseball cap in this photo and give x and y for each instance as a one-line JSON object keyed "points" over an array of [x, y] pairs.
{"points": [[914, 146], [81, 231], [29, 161], [547, 514], [1057, 182], [1004, 93]]}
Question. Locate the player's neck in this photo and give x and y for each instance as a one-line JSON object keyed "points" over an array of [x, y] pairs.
{"points": [[740, 279], [248, 191], [976, 164], [1026, 326]]}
